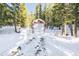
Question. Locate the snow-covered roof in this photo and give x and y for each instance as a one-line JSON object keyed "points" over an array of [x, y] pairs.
{"points": [[38, 21]]}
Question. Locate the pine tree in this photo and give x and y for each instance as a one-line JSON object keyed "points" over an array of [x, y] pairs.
{"points": [[38, 11], [23, 14]]}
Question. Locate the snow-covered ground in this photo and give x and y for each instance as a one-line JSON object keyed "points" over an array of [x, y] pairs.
{"points": [[48, 43], [8, 39]]}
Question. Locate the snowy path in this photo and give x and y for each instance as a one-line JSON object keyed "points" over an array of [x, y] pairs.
{"points": [[54, 46], [46, 44]]}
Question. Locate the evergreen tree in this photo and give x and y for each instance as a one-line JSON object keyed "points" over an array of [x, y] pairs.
{"points": [[23, 14], [38, 11]]}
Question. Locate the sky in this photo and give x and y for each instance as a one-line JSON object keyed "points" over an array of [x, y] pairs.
{"points": [[31, 6]]}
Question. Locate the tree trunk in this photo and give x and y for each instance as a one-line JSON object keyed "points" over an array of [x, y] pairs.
{"points": [[15, 25], [65, 31], [74, 29], [71, 29], [64, 27]]}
